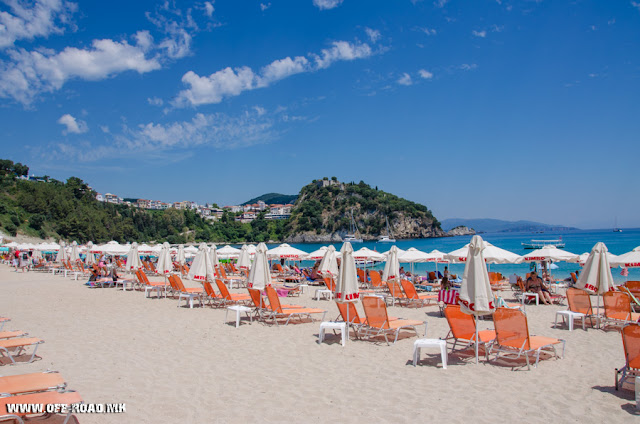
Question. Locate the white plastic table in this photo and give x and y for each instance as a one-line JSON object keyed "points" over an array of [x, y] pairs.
{"points": [[434, 343], [571, 316], [331, 325], [238, 309]]}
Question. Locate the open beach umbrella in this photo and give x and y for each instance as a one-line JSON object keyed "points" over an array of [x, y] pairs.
{"points": [[627, 260], [492, 255], [190, 250], [583, 259], [413, 255], [74, 256], [244, 261], [476, 297], [133, 258], [400, 251], [284, 251], [228, 252], [392, 266], [181, 259], [62, 254], [317, 255], [550, 254], [260, 276], [329, 263], [165, 266], [202, 268]]}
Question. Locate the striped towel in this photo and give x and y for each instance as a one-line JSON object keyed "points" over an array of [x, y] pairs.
{"points": [[450, 297]]}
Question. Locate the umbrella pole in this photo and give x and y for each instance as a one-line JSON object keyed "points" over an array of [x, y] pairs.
{"points": [[476, 320]]}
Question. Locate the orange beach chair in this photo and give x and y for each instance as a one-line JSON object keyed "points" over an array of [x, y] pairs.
{"points": [[512, 337], [189, 294], [580, 301], [16, 346], [41, 398], [34, 382], [278, 311], [415, 298], [379, 323], [631, 344], [617, 308], [462, 327]]}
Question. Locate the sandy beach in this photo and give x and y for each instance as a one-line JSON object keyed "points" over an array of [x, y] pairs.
{"points": [[174, 364]]}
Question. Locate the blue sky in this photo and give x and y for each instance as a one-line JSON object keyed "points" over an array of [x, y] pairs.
{"points": [[477, 109]]}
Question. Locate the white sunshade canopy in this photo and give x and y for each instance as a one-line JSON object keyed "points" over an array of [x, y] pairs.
{"points": [[583, 258], [144, 249], [201, 268], [12, 244], [181, 258], [112, 248], [133, 258], [213, 252], [165, 265], [596, 276], [251, 248], [244, 260], [628, 260], [284, 251], [317, 255], [550, 253], [62, 253], [392, 266], [398, 250], [228, 252], [413, 255], [367, 254], [438, 257], [491, 254], [74, 255]]}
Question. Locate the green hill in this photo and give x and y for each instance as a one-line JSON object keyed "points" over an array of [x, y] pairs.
{"points": [[323, 209], [273, 198]]}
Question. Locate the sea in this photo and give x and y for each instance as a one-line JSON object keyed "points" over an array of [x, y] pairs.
{"points": [[576, 241]]}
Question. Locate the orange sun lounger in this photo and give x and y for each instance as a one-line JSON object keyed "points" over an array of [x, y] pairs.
{"points": [[580, 301], [12, 334], [631, 344], [617, 308], [187, 293], [278, 311], [378, 321], [16, 346], [512, 337], [415, 298], [231, 298], [462, 327], [34, 382]]}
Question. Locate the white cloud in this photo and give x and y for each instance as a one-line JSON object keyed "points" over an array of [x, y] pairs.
{"points": [[208, 8], [326, 4], [440, 3], [230, 82], [264, 6], [428, 31], [28, 21], [155, 101], [635, 4], [405, 79], [468, 67], [178, 26], [373, 34], [105, 129], [32, 72], [73, 125], [480, 34], [425, 74]]}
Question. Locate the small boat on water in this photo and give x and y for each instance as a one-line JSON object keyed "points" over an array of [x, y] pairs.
{"points": [[539, 244], [387, 238], [352, 237], [616, 229]]}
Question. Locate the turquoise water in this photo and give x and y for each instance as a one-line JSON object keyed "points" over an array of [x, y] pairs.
{"points": [[576, 242]]}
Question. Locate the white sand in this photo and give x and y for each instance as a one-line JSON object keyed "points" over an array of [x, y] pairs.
{"points": [[171, 364]]}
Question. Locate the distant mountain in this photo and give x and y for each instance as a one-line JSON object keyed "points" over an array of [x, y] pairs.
{"points": [[500, 226], [274, 198]]}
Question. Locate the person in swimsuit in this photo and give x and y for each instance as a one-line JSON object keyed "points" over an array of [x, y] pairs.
{"points": [[536, 285]]}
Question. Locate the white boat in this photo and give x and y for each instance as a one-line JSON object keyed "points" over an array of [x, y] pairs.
{"points": [[616, 229], [352, 237], [387, 238], [539, 244]]}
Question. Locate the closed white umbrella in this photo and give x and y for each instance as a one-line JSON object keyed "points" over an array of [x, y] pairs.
{"points": [[347, 284], [392, 266], [133, 258], [215, 262], [329, 263], [628, 260], [244, 261], [596, 276], [201, 268], [74, 256], [476, 297], [260, 276], [90, 258], [62, 254], [251, 249], [165, 266], [181, 259]]}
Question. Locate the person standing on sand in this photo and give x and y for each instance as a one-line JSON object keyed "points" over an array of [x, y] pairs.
{"points": [[24, 261], [16, 259]]}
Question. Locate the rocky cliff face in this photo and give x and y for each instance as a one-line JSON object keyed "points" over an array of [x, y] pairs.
{"points": [[461, 231]]}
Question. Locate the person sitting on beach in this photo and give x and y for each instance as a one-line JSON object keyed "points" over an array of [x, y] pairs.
{"points": [[548, 278], [445, 284], [95, 274], [536, 285]]}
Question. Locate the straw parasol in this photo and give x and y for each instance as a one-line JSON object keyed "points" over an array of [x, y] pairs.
{"points": [[201, 269], [476, 297], [392, 266], [260, 276]]}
